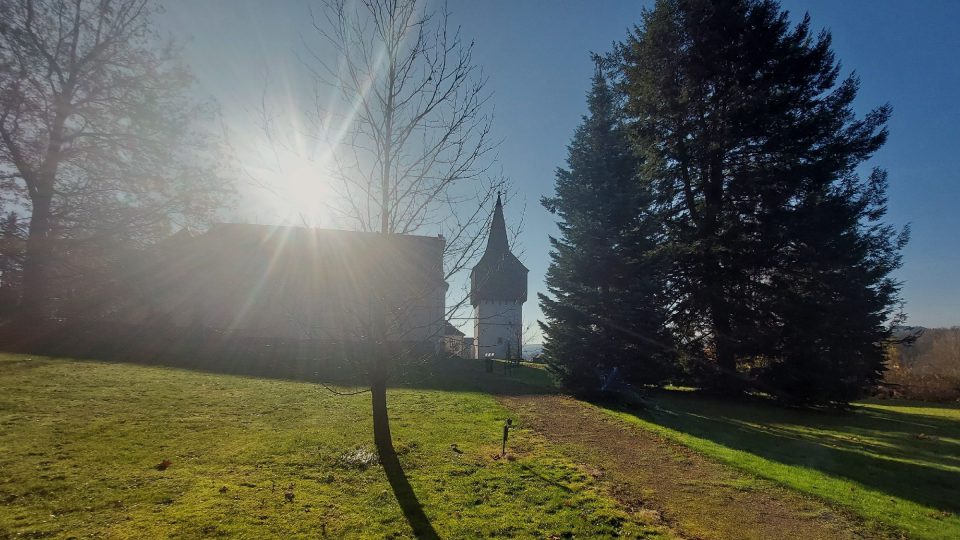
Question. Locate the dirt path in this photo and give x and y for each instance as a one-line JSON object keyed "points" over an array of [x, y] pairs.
{"points": [[696, 497]]}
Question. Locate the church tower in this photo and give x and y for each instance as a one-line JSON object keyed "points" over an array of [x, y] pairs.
{"points": [[498, 289]]}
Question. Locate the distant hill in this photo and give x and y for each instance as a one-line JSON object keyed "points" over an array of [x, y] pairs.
{"points": [[936, 350], [929, 368]]}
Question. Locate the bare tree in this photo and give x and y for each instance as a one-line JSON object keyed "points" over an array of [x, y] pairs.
{"points": [[405, 110], [97, 130]]}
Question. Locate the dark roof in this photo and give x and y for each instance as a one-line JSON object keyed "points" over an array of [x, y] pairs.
{"points": [[262, 265], [451, 330], [499, 276], [347, 255], [354, 256]]}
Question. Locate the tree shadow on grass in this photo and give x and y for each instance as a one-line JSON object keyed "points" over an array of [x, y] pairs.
{"points": [[911, 456], [406, 497]]}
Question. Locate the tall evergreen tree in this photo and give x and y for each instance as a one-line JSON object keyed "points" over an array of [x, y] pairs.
{"points": [[779, 259], [603, 313]]}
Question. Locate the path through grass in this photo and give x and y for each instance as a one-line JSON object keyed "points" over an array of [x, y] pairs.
{"points": [[893, 463], [698, 497]]}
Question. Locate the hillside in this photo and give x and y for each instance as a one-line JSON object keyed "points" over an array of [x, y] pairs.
{"points": [[927, 368], [936, 350]]}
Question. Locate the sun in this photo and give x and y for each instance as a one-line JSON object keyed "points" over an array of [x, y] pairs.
{"points": [[306, 190], [286, 186]]}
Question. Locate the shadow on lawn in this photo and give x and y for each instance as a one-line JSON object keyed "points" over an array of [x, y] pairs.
{"points": [[206, 350], [407, 498], [912, 456], [424, 372]]}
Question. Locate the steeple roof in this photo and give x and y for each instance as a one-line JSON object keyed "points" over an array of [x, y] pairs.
{"points": [[497, 241], [499, 276]]}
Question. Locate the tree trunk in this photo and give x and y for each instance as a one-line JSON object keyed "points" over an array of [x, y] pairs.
{"points": [[728, 381], [725, 357], [36, 287], [402, 490], [378, 386], [378, 391], [35, 302], [723, 343]]}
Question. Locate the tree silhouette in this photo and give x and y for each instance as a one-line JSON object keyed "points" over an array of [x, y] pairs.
{"points": [[97, 131], [780, 259], [603, 311]]}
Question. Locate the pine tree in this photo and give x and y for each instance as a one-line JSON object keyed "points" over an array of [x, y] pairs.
{"points": [[779, 261], [835, 299], [603, 312]]}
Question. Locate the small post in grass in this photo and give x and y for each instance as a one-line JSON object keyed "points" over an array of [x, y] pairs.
{"points": [[506, 431]]}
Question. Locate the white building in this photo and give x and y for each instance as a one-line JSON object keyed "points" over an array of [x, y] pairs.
{"points": [[498, 289]]}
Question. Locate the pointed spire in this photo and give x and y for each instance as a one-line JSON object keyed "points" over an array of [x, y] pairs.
{"points": [[498, 275], [497, 241]]}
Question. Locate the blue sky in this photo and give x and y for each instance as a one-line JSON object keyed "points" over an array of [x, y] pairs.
{"points": [[536, 54]]}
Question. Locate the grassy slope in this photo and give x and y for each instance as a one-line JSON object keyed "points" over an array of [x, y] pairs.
{"points": [[896, 464], [79, 442]]}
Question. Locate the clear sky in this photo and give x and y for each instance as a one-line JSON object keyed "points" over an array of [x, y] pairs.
{"points": [[536, 54]]}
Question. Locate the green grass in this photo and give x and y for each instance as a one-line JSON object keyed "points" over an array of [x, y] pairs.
{"points": [[80, 441], [895, 464], [530, 373]]}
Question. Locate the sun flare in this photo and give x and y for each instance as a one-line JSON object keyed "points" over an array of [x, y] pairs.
{"points": [[288, 187]]}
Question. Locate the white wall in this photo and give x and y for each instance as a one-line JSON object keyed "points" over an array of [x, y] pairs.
{"points": [[497, 325]]}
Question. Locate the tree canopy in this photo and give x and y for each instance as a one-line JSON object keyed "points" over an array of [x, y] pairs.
{"points": [[99, 136], [604, 313], [777, 260]]}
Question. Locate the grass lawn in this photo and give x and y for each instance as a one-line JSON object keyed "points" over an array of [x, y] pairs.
{"points": [[80, 443], [896, 464], [253, 457]]}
